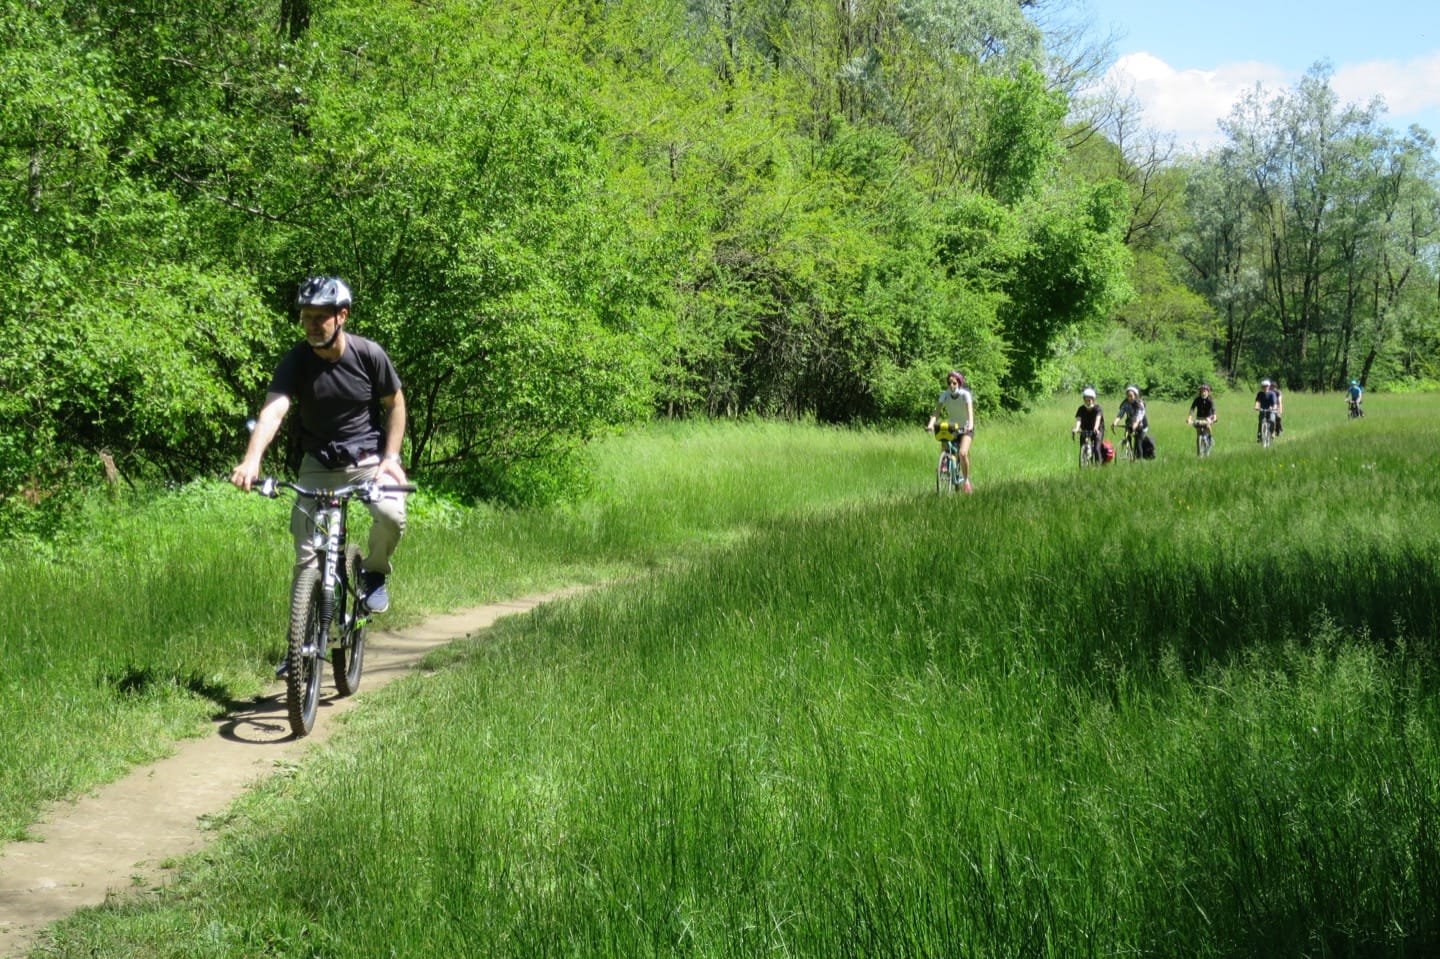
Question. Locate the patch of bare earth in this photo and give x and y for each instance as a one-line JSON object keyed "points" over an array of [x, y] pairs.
{"points": [[121, 837]]}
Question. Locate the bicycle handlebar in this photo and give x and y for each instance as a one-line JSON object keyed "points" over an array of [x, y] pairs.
{"points": [[269, 487]]}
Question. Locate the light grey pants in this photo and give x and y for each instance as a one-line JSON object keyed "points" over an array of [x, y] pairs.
{"points": [[388, 513]]}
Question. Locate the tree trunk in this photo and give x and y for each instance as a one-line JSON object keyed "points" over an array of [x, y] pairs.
{"points": [[294, 18]]}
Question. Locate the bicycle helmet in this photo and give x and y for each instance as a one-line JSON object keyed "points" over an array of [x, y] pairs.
{"points": [[1354, 382], [1132, 388], [1087, 393], [955, 375], [1266, 383], [323, 291], [1204, 387]]}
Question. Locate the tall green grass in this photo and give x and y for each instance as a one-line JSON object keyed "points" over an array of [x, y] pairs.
{"points": [[1176, 709], [154, 614]]}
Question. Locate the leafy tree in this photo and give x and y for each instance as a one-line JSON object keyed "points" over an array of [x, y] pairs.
{"points": [[1312, 230]]}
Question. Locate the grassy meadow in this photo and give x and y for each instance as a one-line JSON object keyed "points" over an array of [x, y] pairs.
{"points": [[1176, 708]]}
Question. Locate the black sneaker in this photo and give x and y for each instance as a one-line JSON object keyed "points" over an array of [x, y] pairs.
{"points": [[377, 597]]}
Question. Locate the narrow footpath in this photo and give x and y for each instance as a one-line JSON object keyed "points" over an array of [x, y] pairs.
{"points": [[122, 836]]}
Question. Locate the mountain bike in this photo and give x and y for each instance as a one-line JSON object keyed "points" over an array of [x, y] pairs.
{"points": [[1090, 454], [328, 615], [947, 470], [1355, 411], [1267, 428], [1204, 436]]}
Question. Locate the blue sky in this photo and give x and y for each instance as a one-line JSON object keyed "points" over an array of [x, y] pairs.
{"points": [[1188, 62]]}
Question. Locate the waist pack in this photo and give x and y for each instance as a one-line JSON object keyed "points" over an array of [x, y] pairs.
{"points": [[335, 455]]}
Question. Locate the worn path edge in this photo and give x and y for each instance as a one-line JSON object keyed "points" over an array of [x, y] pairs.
{"points": [[121, 836]]}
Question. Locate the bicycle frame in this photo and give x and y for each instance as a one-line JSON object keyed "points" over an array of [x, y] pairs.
{"points": [[331, 521], [1204, 437], [1129, 448], [1267, 427], [947, 469]]}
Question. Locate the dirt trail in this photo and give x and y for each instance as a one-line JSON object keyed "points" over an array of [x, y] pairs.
{"points": [[121, 836]]}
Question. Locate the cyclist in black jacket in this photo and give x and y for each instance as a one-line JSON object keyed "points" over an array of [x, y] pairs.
{"points": [[1090, 420], [1202, 407]]}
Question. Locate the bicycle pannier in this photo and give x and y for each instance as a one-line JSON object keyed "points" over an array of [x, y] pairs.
{"points": [[1107, 451], [1147, 447], [945, 431]]}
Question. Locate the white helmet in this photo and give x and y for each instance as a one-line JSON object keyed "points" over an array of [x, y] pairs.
{"points": [[1132, 388], [1088, 393], [323, 291]]}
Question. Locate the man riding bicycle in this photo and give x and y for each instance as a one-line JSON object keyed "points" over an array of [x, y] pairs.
{"points": [[1355, 396], [1090, 423], [351, 425], [1267, 404], [956, 406]]}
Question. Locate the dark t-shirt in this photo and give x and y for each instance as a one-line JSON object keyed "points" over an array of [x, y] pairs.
{"points": [[339, 418], [1203, 407], [1090, 417], [1267, 399]]}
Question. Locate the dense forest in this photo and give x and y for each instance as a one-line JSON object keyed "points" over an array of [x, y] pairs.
{"points": [[564, 217]]}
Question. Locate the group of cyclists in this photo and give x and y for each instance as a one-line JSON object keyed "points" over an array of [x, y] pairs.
{"points": [[954, 416], [1090, 426]]}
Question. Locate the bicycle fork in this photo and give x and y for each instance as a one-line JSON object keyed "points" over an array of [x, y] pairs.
{"points": [[329, 523]]}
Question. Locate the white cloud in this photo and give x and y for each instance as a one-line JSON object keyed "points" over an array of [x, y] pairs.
{"points": [[1188, 103], [1409, 87]]}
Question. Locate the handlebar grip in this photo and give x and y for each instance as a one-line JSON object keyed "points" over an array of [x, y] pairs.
{"points": [[398, 488]]}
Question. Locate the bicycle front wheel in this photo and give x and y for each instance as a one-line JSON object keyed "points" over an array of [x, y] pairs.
{"points": [[306, 650], [944, 482], [1087, 455], [347, 659], [1267, 433]]}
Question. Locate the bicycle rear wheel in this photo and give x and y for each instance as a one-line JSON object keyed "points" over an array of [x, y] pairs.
{"points": [[305, 652], [347, 659]]}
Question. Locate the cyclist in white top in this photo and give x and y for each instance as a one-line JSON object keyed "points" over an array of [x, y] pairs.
{"points": [[956, 406]]}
